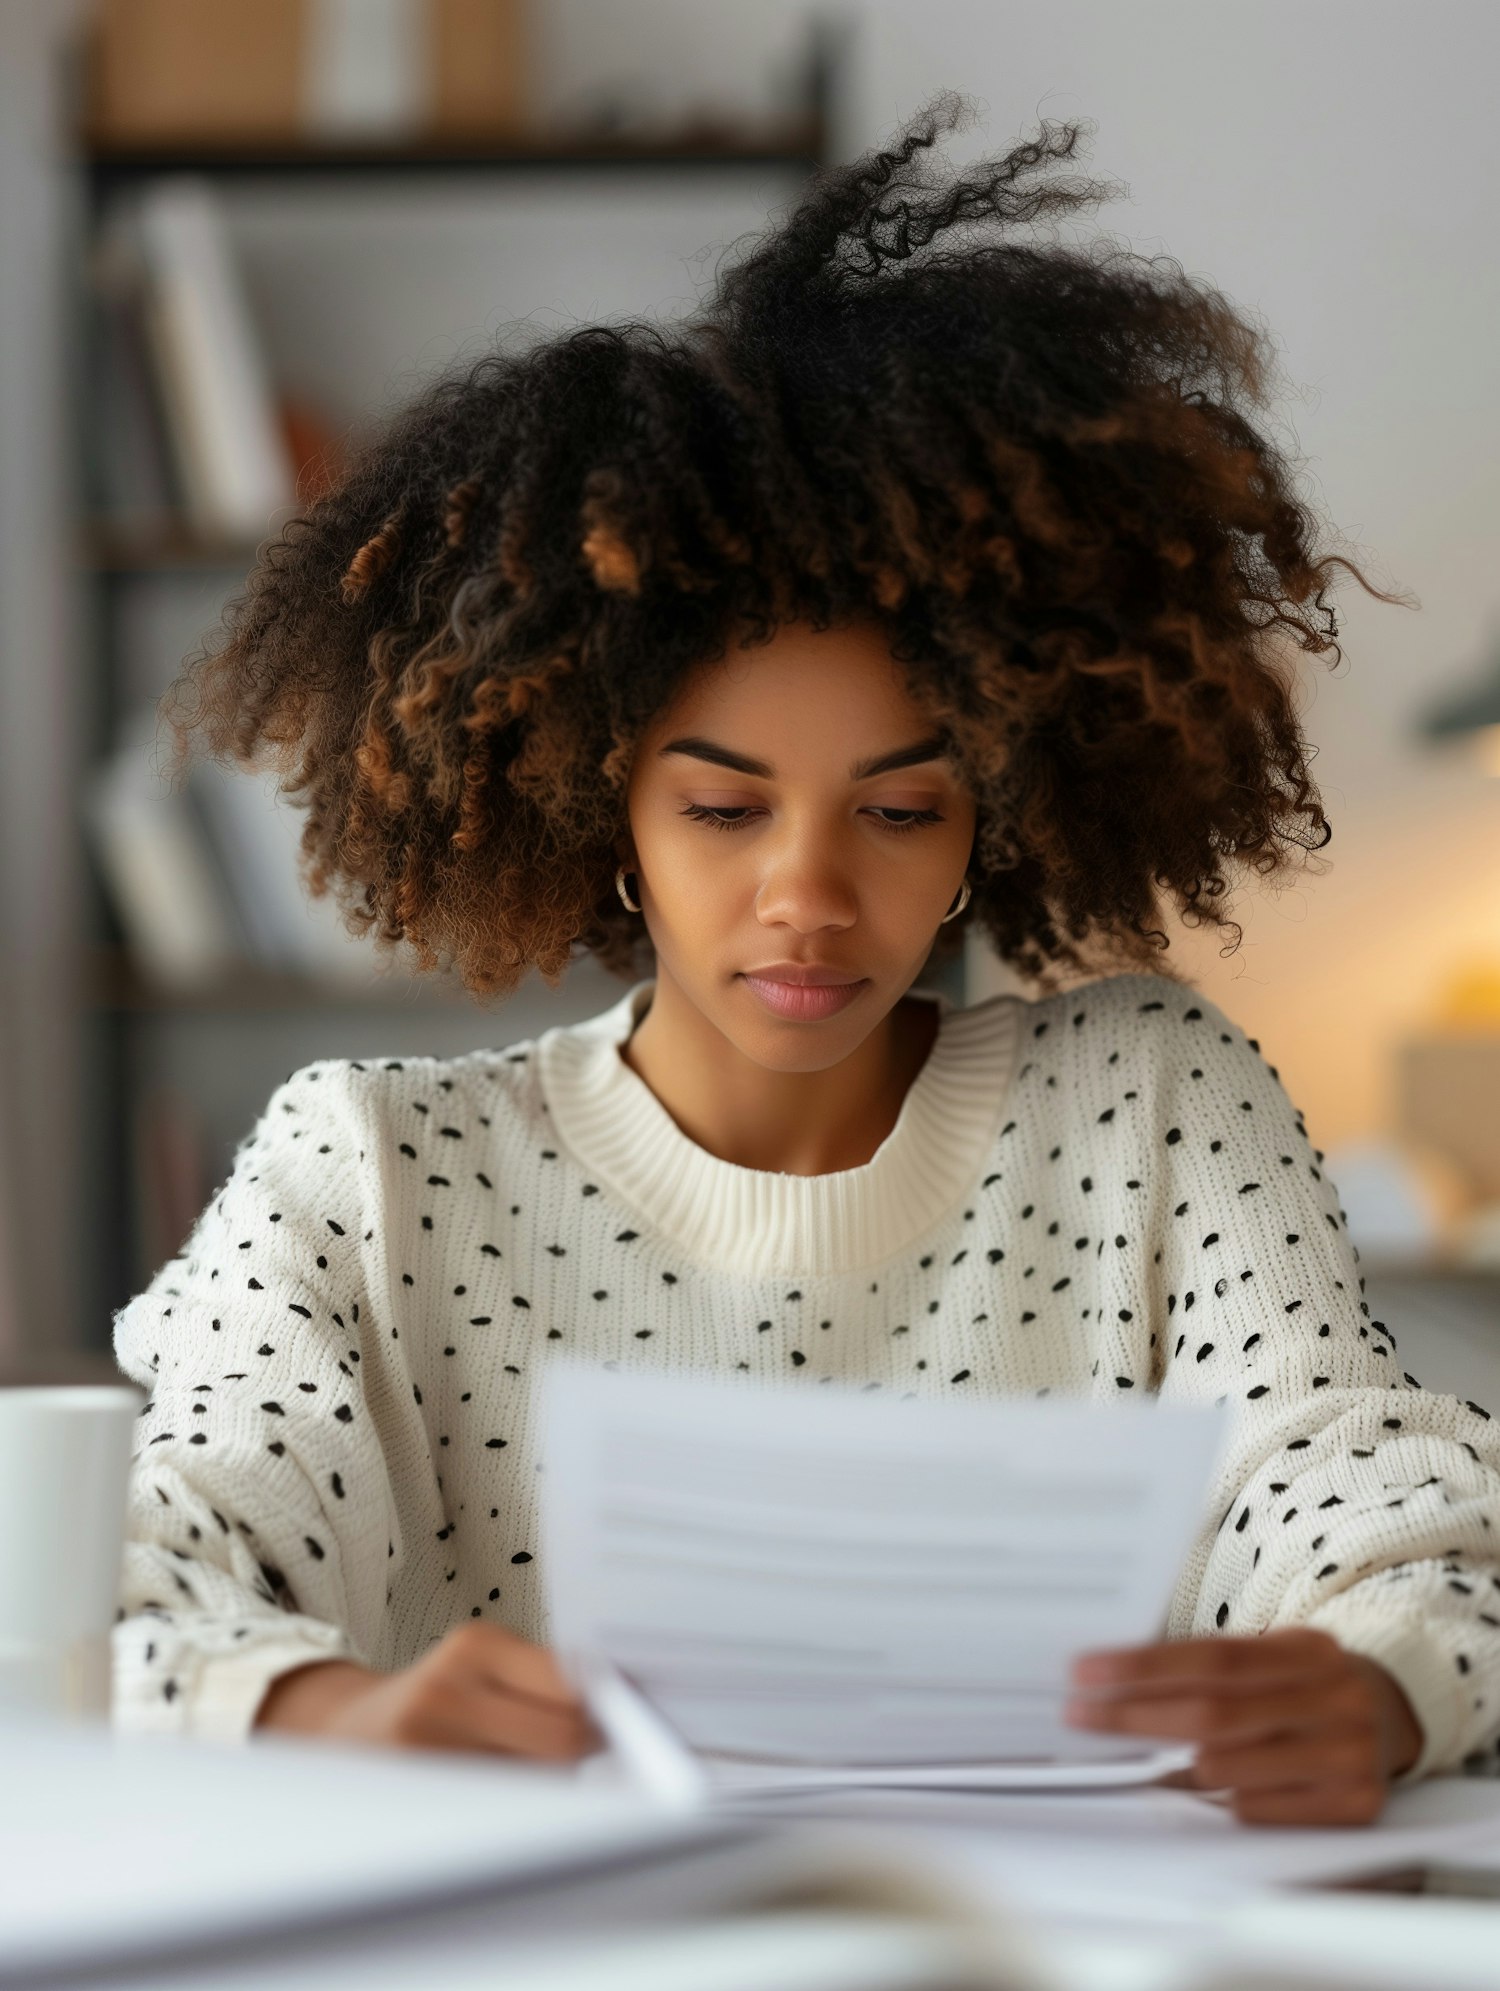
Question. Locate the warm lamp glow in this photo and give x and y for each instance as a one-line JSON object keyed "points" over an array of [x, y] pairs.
{"points": [[1487, 746], [1470, 997]]}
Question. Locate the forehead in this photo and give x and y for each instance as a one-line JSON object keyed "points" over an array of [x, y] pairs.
{"points": [[802, 689]]}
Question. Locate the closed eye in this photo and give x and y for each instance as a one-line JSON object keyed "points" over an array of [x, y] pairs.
{"points": [[737, 819]]}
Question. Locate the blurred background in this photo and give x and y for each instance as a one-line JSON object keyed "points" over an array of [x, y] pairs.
{"points": [[233, 236]]}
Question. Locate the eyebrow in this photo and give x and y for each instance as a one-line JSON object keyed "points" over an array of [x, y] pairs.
{"points": [[915, 755]]}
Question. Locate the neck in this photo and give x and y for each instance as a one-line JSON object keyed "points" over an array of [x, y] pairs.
{"points": [[793, 1123]]}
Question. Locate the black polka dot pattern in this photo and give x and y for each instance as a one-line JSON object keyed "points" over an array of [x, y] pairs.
{"points": [[338, 1456]]}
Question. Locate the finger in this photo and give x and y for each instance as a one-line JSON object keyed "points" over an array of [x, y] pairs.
{"points": [[1205, 1717], [531, 1671], [1338, 1805], [1347, 1756], [1178, 1780], [513, 1727], [1293, 1653]]}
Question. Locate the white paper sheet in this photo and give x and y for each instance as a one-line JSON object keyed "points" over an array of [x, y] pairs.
{"points": [[820, 1589], [114, 1846]]}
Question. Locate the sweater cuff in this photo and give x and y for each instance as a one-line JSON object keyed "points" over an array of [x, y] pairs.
{"points": [[1416, 1659], [231, 1686]]}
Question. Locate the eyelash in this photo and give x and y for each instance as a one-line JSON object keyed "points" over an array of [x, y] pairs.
{"points": [[718, 818]]}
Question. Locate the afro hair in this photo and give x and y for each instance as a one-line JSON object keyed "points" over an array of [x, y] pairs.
{"points": [[1035, 462]]}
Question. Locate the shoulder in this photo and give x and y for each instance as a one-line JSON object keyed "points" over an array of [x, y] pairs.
{"points": [[1155, 1014], [1116, 997], [481, 1088], [476, 1090], [1151, 1043]]}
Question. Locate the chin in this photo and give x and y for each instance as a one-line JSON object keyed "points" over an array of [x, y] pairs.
{"points": [[788, 1044], [782, 1053]]}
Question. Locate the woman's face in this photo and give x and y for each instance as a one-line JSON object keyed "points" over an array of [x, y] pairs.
{"points": [[795, 822]]}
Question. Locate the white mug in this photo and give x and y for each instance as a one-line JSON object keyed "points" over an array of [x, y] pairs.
{"points": [[65, 1454]]}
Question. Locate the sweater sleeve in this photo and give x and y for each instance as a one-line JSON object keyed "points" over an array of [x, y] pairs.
{"points": [[1348, 1497], [258, 1503]]}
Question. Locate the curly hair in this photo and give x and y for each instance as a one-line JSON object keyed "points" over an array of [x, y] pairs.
{"points": [[1033, 462]]}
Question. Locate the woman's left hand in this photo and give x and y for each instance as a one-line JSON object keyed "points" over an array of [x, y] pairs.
{"points": [[1300, 1731]]}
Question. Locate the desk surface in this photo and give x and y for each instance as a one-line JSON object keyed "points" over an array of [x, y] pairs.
{"points": [[1116, 1887]]}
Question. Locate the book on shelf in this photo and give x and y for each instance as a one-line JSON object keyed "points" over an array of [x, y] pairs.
{"points": [[203, 874], [168, 894], [199, 420], [258, 833], [133, 482]]}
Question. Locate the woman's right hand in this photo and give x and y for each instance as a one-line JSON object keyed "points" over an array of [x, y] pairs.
{"points": [[481, 1688]]}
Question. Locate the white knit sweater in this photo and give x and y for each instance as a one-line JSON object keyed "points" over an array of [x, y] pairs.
{"points": [[1102, 1191]]}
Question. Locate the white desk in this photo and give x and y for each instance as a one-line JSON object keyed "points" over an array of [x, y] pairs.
{"points": [[408, 1857], [1129, 1891]]}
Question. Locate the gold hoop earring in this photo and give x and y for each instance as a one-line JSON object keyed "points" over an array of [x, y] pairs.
{"points": [[959, 903], [625, 899]]}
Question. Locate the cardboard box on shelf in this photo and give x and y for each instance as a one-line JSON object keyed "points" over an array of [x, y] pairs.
{"points": [[480, 69], [195, 71], [282, 72]]}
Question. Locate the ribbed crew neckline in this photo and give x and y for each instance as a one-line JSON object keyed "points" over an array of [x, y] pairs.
{"points": [[748, 1220]]}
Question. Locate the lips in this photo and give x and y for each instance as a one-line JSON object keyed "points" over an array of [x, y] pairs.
{"points": [[804, 995], [803, 977]]}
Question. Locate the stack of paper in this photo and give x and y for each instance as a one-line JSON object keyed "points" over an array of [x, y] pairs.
{"points": [[769, 1590], [285, 1862]]}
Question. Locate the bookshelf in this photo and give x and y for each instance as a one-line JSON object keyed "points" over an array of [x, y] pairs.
{"points": [[107, 549], [797, 142], [114, 983], [174, 1072]]}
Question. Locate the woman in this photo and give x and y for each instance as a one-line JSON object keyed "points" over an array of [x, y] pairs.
{"points": [[932, 574]]}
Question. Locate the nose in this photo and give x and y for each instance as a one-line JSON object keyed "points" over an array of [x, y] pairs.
{"points": [[804, 886]]}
